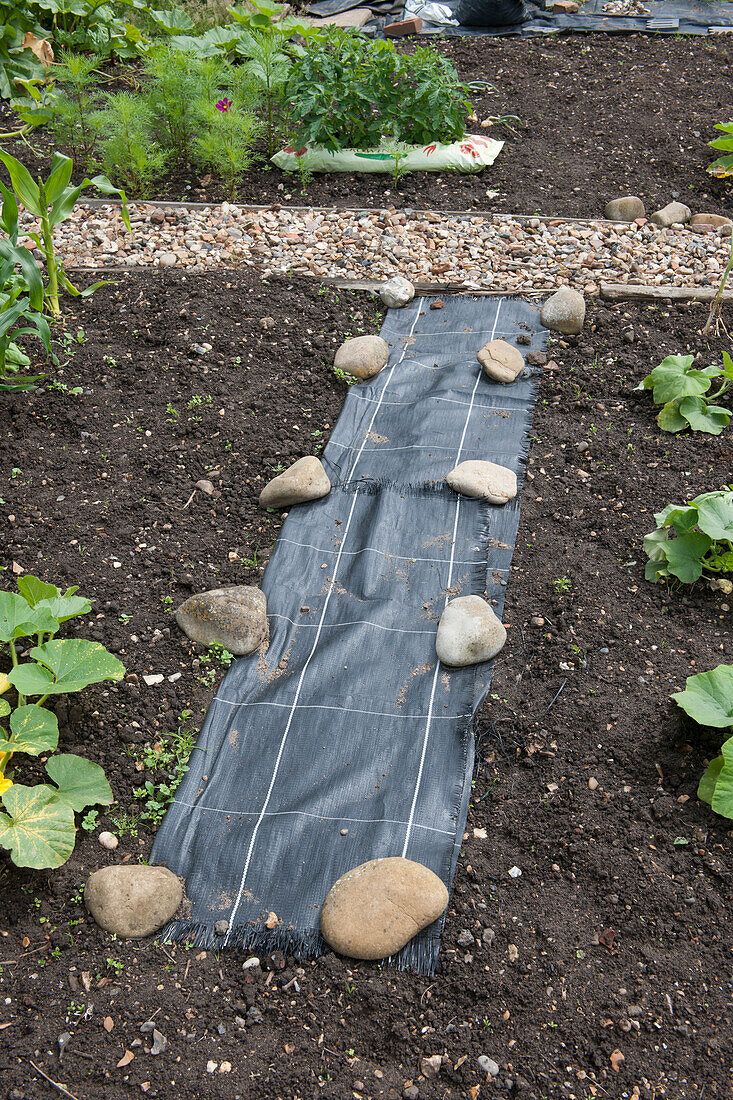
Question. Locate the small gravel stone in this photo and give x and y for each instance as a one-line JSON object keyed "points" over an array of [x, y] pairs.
{"points": [[536, 358], [487, 1065], [221, 927], [465, 938], [488, 936], [205, 486], [514, 872], [593, 783], [537, 620], [167, 259], [108, 841]]}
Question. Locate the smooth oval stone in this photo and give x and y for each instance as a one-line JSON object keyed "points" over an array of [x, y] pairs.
{"points": [[712, 221], [625, 209], [673, 213], [373, 910], [304, 480], [364, 356], [132, 901], [397, 292], [474, 478], [468, 632], [501, 362], [564, 312], [235, 618]]}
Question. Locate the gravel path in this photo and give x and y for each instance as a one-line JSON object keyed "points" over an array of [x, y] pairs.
{"points": [[501, 253]]}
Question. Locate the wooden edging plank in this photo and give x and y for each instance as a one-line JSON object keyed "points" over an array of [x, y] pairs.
{"points": [[621, 292]]}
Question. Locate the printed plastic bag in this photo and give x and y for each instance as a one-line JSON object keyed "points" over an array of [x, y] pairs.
{"points": [[471, 154]]}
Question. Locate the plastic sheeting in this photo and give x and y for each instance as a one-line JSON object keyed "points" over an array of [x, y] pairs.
{"points": [[348, 741], [470, 154], [665, 16]]}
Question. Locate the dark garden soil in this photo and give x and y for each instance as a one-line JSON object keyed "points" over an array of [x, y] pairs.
{"points": [[601, 116], [604, 969]]}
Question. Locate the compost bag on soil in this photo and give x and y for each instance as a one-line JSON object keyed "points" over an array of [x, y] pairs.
{"points": [[471, 154], [347, 740]]}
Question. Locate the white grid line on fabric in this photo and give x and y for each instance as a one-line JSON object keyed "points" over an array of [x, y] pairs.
{"points": [[331, 590], [415, 447], [426, 736], [326, 706], [454, 332], [354, 622], [447, 400], [306, 813], [375, 550]]}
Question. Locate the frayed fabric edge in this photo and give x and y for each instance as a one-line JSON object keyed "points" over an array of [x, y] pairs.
{"points": [[419, 955]]}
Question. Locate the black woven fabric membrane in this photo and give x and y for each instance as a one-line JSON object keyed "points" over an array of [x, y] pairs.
{"points": [[348, 722]]}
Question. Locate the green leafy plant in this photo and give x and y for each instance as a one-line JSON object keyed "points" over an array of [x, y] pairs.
{"points": [[708, 700], [722, 168], [38, 826], [92, 26], [349, 92], [52, 201], [714, 321], [17, 61], [682, 391], [168, 756], [72, 118], [268, 64], [229, 132], [129, 151], [21, 295], [692, 539]]}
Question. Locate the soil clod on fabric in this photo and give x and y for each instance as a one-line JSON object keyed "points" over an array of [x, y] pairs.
{"points": [[614, 939]]}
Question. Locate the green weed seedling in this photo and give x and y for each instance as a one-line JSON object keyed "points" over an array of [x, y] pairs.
{"points": [[708, 700], [167, 760], [38, 825]]}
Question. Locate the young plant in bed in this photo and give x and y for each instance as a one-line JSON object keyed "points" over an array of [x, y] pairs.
{"points": [[708, 700], [38, 823], [692, 540], [684, 394], [52, 201]]}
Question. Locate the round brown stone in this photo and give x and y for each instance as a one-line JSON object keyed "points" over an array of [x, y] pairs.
{"points": [[373, 910], [133, 901], [501, 362], [235, 618]]}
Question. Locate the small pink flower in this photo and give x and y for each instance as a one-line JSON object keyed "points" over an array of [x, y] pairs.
{"points": [[224, 105]]}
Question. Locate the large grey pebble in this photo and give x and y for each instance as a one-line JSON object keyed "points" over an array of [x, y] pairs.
{"points": [[501, 361], [468, 632], [397, 292], [714, 221], [625, 209], [133, 901], [673, 213], [486, 480], [564, 312], [304, 480], [376, 908], [235, 618], [364, 356]]}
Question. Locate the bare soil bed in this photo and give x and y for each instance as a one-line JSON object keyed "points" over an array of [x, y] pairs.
{"points": [[607, 971], [601, 115]]}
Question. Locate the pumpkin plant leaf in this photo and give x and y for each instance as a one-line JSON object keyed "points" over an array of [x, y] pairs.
{"points": [[703, 417], [722, 800], [65, 665], [34, 730], [706, 786], [18, 620], [38, 827], [708, 698], [80, 782]]}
